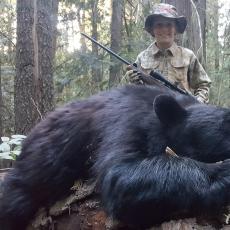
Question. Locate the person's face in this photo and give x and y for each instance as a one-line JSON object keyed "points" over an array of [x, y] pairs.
{"points": [[164, 31]]}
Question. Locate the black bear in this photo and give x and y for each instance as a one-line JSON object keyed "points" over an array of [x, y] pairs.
{"points": [[122, 135]]}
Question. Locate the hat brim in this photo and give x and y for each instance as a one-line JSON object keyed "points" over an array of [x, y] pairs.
{"points": [[180, 21]]}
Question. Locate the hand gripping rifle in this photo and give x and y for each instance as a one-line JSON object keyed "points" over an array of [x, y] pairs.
{"points": [[152, 78]]}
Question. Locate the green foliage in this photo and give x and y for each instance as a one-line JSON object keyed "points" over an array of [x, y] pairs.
{"points": [[72, 75], [73, 72], [11, 147], [218, 52]]}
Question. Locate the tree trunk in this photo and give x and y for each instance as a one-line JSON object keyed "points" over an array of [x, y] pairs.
{"points": [[226, 48], [201, 8], [215, 34], [1, 103], [194, 36], [81, 22], [116, 38], [96, 73], [35, 49]]}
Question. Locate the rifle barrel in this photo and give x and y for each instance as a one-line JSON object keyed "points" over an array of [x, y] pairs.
{"points": [[107, 49]]}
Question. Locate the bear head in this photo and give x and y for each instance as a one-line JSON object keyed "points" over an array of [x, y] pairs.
{"points": [[198, 131]]}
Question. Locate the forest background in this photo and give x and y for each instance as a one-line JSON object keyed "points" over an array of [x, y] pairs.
{"points": [[44, 62]]}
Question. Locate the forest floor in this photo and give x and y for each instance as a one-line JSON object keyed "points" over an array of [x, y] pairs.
{"points": [[82, 210]]}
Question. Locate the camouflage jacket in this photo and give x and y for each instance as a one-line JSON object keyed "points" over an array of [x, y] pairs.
{"points": [[180, 66]]}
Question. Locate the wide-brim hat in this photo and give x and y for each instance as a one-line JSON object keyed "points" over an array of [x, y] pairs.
{"points": [[167, 11]]}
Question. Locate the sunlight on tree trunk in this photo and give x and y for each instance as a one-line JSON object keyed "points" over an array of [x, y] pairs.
{"points": [[81, 22]]}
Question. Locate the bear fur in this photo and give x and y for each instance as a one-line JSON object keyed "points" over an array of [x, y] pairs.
{"points": [[119, 137]]}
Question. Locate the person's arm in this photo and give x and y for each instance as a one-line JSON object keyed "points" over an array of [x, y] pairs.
{"points": [[199, 80]]}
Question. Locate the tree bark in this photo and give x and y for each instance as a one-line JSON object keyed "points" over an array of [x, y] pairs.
{"points": [[215, 34], [1, 103], [81, 22], [201, 7], [116, 39], [35, 49], [96, 73]]}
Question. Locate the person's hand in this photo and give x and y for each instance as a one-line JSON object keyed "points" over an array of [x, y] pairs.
{"points": [[200, 99], [133, 75]]}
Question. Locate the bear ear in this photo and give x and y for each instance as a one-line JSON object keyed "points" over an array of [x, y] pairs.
{"points": [[168, 110]]}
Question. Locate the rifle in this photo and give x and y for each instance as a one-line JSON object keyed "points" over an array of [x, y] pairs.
{"points": [[153, 78]]}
